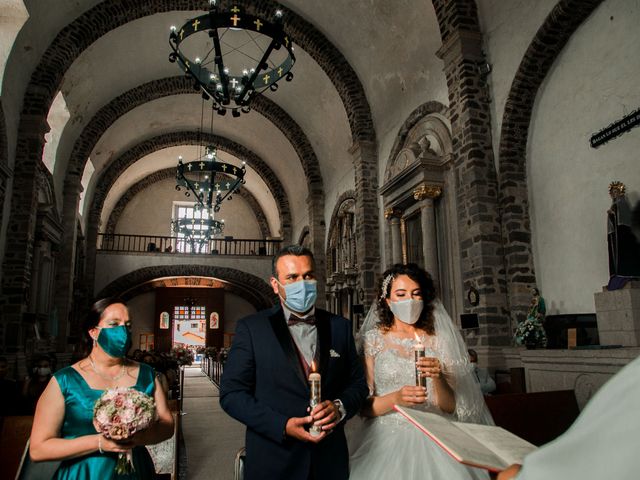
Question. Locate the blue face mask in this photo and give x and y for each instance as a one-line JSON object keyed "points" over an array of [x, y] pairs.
{"points": [[301, 295], [115, 341]]}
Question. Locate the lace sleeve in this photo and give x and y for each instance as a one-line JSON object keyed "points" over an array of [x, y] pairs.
{"points": [[373, 343]]}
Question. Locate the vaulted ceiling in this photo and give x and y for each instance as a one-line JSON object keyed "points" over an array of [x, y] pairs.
{"points": [[353, 58]]}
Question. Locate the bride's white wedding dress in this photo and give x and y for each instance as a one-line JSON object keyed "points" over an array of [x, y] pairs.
{"points": [[388, 446]]}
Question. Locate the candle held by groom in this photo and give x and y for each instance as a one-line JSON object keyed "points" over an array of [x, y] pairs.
{"points": [[265, 383]]}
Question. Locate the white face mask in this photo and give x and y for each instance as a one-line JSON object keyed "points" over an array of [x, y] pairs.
{"points": [[408, 311]]}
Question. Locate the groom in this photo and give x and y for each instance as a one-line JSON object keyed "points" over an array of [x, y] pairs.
{"points": [[265, 380]]}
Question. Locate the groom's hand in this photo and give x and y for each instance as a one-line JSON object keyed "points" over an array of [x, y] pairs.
{"points": [[326, 415], [295, 428]]}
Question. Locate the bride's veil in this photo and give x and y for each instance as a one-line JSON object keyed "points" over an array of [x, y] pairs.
{"points": [[470, 404]]}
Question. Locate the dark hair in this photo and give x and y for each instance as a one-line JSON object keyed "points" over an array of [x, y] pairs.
{"points": [[473, 353], [427, 288], [296, 250], [93, 319], [4, 359]]}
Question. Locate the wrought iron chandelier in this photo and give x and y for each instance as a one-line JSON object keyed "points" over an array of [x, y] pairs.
{"points": [[243, 55], [209, 181]]}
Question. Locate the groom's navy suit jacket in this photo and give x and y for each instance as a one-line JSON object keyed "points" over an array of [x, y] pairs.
{"points": [[263, 385]]}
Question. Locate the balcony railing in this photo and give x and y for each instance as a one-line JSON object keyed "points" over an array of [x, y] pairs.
{"points": [[169, 245]]}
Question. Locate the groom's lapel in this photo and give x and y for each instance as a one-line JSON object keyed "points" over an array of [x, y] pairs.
{"points": [[279, 325], [323, 327]]}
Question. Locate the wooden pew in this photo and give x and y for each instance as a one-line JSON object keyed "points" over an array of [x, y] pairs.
{"points": [[14, 434], [538, 417]]}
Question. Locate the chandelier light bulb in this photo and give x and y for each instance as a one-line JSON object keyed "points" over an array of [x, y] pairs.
{"points": [[279, 13], [173, 28], [226, 70], [198, 60]]}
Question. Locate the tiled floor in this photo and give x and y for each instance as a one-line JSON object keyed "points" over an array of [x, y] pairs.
{"points": [[211, 437]]}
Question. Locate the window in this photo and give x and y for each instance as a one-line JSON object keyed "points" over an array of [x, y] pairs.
{"points": [[198, 243]]}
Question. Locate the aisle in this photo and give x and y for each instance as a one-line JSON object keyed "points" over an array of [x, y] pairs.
{"points": [[211, 437]]}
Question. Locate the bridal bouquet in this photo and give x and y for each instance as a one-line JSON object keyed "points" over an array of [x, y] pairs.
{"points": [[118, 414]]}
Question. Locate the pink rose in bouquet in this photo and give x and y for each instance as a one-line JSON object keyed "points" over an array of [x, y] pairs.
{"points": [[118, 414]]}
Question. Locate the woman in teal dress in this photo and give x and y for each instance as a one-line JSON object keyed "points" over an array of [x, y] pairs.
{"points": [[63, 423]]}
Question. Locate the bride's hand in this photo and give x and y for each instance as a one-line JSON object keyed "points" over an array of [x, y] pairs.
{"points": [[430, 367], [411, 395]]}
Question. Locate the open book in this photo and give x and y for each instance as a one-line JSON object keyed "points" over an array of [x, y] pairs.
{"points": [[483, 446]]}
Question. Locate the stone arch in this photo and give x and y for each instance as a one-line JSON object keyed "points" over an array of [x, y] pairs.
{"points": [[165, 87], [552, 36], [258, 292], [4, 165], [120, 164], [304, 236], [72, 40], [4, 146], [170, 173], [190, 281]]}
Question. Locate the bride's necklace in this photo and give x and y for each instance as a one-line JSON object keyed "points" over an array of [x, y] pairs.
{"points": [[107, 377]]}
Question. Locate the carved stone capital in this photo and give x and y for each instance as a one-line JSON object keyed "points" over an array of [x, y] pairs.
{"points": [[392, 212], [427, 191]]}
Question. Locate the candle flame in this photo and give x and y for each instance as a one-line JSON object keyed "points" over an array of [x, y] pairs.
{"points": [[313, 366], [415, 334]]}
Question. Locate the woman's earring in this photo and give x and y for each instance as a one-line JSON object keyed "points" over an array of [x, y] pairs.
{"points": [[95, 342]]}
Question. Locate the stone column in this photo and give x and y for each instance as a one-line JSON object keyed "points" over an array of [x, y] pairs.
{"points": [[365, 164], [66, 264], [18, 255], [393, 215], [315, 208], [426, 194], [480, 232]]}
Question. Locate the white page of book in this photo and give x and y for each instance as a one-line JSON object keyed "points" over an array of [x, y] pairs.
{"points": [[464, 447], [509, 447]]}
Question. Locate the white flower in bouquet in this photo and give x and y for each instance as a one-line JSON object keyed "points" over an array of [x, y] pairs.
{"points": [[118, 414]]}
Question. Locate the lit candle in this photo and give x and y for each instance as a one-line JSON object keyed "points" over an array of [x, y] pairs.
{"points": [[418, 353], [315, 397]]}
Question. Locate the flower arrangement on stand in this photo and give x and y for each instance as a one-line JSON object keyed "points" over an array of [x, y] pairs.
{"points": [[183, 356], [531, 333]]}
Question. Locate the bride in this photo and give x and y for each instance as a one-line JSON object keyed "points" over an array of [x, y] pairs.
{"points": [[389, 446]]}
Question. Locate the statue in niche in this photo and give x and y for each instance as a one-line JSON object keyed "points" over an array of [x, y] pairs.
{"points": [[624, 247]]}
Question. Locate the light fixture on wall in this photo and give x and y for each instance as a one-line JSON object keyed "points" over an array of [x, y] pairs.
{"points": [[240, 55]]}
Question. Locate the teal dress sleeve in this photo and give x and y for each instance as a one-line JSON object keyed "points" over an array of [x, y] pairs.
{"points": [[79, 399]]}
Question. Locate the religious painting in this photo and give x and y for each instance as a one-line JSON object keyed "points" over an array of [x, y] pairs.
{"points": [[164, 320], [214, 320]]}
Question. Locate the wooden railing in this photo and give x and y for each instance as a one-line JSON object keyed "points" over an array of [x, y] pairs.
{"points": [[212, 368], [169, 245]]}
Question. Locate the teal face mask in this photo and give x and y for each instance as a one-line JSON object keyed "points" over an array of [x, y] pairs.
{"points": [[115, 341]]}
